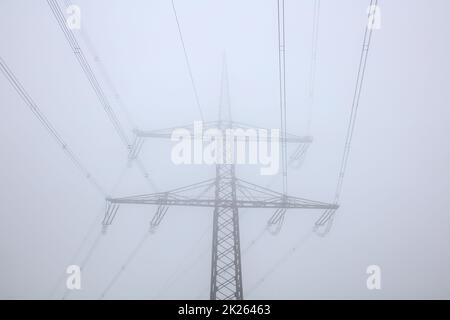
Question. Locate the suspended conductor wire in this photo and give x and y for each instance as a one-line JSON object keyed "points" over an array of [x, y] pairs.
{"points": [[224, 98], [94, 224], [188, 64], [287, 255], [254, 241], [48, 125], [77, 252], [85, 261], [124, 266], [104, 73], [168, 281], [328, 217], [282, 76], [329, 214], [179, 272], [313, 63], [54, 6], [93, 81]]}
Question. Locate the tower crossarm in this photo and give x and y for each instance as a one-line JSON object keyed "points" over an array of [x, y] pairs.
{"points": [[141, 135], [167, 132], [274, 203], [248, 195]]}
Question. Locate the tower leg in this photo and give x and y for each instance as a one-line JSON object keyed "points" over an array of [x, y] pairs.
{"points": [[226, 271]]}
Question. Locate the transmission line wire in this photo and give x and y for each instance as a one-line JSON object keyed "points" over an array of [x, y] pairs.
{"points": [[48, 125], [58, 138], [313, 63], [104, 73], [179, 271], [286, 256], [87, 234], [282, 79], [93, 81], [328, 217], [176, 274], [54, 6], [129, 259], [329, 214], [188, 64]]}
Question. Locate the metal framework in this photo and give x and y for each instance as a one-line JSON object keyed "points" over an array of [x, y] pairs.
{"points": [[226, 194]]}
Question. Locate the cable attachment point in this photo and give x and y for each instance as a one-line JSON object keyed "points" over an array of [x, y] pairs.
{"points": [[323, 225], [159, 215], [135, 148], [298, 157], [110, 213], [275, 222]]}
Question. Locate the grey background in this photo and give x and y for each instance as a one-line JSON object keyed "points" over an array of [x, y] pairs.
{"points": [[394, 208]]}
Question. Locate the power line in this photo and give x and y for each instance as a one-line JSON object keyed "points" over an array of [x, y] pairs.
{"points": [[254, 241], [170, 280], [93, 81], [104, 73], [87, 234], [129, 259], [188, 64], [327, 218], [77, 252], [58, 138], [183, 271], [313, 63], [54, 6], [48, 125], [282, 76], [286, 256], [85, 261], [224, 99]]}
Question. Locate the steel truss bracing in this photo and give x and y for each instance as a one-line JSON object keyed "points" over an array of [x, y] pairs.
{"points": [[226, 272], [248, 195], [302, 142], [226, 194]]}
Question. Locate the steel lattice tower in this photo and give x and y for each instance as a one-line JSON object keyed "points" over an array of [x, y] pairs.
{"points": [[226, 270], [225, 194]]}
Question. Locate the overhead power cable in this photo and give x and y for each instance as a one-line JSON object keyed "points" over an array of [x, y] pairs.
{"points": [[188, 64], [95, 84], [84, 262], [103, 72], [58, 138], [129, 259], [224, 99], [286, 256], [313, 63], [48, 125], [94, 224], [282, 76], [60, 18], [327, 217], [179, 272], [326, 220]]}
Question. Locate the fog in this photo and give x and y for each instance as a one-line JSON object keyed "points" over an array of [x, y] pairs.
{"points": [[394, 204]]}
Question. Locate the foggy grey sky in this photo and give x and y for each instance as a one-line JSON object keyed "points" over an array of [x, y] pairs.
{"points": [[395, 205]]}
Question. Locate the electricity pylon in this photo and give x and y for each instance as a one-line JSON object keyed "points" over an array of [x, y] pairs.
{"points": [[226, 193]]}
